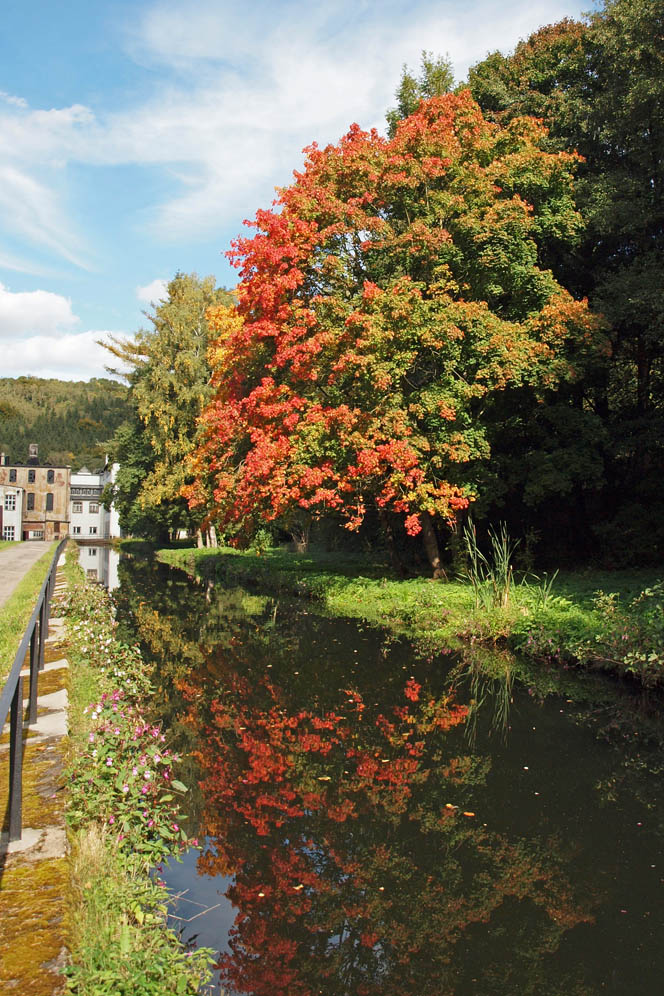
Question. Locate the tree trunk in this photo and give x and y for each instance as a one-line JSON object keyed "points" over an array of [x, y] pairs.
{"points": [[199, 539], [431, 546], [391, 545]]}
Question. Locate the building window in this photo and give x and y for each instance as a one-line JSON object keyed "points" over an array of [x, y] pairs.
{"points": [[31, 501], [12, 476], [49, 501], [91, 572], [8, 533], [93, 530], [76, 530], [31, 477], [92, 551], [50, 477], [36, 534], [77, 506], [94, 507], [10, 503]]}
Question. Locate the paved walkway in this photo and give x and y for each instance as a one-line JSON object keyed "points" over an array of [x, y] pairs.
{"points": [[16, 561]]}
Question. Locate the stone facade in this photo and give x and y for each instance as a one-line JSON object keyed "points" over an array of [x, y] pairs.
{"points": [[45, 496]]}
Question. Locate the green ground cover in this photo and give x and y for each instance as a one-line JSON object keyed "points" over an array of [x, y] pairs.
{"points": [[595, 619], [16, 611], [123, 815]]}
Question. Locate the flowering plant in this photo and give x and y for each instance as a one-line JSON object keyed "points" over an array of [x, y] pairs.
{"points": [[124, 778]]}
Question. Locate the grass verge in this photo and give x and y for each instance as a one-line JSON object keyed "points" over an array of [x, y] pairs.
{"points": [[123, 815], [16, 611], [608, 620]]}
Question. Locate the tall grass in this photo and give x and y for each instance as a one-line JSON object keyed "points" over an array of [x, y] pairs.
{"points": [[492, 577]]}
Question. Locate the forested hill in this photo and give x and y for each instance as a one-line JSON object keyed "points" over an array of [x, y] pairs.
{"points": [[71, 421]]}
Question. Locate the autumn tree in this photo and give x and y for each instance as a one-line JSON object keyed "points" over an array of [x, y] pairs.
{"points": [[393, 291], [169, 386]]}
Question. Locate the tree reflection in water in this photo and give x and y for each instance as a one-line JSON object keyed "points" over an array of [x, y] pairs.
{"points": [[340, 793]]}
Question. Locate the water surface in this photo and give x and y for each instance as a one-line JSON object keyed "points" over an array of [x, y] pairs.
{"points": [[380, 821]]}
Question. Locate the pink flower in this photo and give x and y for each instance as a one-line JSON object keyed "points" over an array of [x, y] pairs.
{"points": [[109, 762], [125, 789]]}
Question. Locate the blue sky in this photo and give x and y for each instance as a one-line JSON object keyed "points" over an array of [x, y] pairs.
{"points": [[137, 136]]}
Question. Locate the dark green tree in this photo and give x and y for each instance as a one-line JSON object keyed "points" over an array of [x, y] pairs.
{"points": [[436, 78], [599, 87]]}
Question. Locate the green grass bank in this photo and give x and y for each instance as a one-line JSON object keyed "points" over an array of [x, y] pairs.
{"points": [[612, 621], [123, 814]]}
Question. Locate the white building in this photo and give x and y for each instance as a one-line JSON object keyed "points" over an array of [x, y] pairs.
{"points": [[11, 509], [90, 520]]}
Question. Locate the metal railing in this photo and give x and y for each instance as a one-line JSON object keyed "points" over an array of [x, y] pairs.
{"points": [[11, 699]]}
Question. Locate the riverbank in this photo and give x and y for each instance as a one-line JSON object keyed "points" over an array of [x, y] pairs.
{"points": [[123, 814], [613, 621]]}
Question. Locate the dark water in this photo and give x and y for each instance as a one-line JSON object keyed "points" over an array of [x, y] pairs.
{"points": [[379, 821]]}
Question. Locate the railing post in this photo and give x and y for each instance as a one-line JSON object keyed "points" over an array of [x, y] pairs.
{"points": [[34, 673], [42, 633], [16, 763], [47, 599]]}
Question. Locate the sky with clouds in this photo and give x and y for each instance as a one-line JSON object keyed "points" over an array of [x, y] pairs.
{"points": [[135, 138]]}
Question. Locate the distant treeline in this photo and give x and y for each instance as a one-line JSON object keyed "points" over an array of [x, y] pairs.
{"points": [[71, 421]]}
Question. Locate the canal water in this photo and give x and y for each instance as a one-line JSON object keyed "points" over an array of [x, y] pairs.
{"points": [[375, 819]]}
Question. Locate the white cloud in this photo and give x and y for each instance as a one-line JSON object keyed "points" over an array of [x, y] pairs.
{"points": [[31, 210], [33, 311], [20, 265], [9, 98], [74, 356], [240, 90], [154, 291]]}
